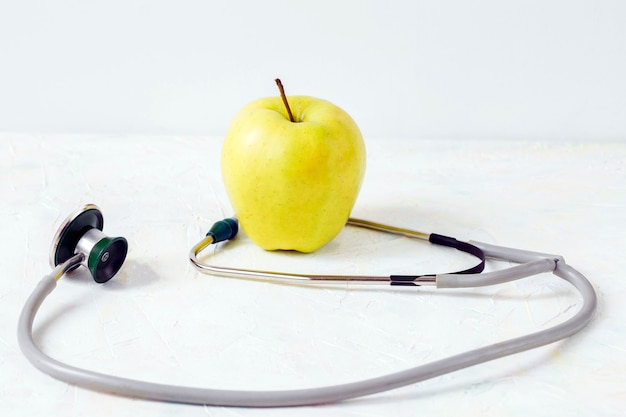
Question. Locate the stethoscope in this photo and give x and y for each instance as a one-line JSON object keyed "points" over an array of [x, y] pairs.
{"points": [[80, 241]]}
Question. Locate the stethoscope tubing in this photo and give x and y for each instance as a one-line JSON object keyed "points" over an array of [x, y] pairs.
{"points": [[532, 263]]}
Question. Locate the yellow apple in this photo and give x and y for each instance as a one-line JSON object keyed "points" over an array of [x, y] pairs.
{"points": [[292, 184]]}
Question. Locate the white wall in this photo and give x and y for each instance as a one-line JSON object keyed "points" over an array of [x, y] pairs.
{"points": [[435, 68]]}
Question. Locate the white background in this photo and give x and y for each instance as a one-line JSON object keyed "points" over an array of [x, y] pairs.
{"points": [[124, 104], [448, 68]]}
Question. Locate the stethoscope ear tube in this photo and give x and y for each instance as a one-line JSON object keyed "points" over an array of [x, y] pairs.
{"points": [[227, 229]]}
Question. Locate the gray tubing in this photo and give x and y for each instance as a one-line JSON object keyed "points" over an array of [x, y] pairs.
{"points": [[496, 277], [513, 254], [172, 393]]}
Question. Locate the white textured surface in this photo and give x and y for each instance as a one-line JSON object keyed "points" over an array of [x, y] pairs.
{"points": [[162, 321]]}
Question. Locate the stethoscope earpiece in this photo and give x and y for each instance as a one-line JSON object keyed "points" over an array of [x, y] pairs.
{"points": [[82, 233]]}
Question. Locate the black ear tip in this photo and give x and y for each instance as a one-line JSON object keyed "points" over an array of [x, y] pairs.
{"points": [[234, 225], [224, 229]]}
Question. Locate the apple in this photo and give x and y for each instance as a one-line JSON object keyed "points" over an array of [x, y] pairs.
{"points": [[292, 169]]}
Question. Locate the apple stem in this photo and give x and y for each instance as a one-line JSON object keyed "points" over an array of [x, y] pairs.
{"points": [[284, 97]]}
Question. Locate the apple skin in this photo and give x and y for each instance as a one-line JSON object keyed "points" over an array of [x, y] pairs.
{"points": [[292, 184]]}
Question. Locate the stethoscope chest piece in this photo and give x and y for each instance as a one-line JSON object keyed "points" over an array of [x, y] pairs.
{"points": [[82, 233]]}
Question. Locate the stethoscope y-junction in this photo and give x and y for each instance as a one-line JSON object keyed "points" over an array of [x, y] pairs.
{"points": [[80, 241]]}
